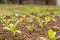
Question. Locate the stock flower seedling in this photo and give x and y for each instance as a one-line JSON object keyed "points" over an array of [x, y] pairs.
{"points": [[47, 19], [29, 27], [6, 22], [2, 17], [21, 20], [41, 22], [22, 15], [12, 28], [54, 18], [52, 35], [29, 19]]}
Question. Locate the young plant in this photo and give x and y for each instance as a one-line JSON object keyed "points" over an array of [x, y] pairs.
{"points": [[22, 15], [29, 19], [52, 35], [38, 18], [2, 17], [41, 22], [12, 28], [53, 18], [21, 20], [6, 22], [47, 19], [14, 18], [29, 27]]}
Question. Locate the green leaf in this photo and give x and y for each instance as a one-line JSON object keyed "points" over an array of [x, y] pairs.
{"points": [[29, 27], [21, 20], [51, 35], [38, 18], [17, 22], [6, 22], [29, 19], [13, 28], [47, 19], [41, 22]]}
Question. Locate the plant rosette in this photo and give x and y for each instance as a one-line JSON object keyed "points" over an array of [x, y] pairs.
{"points": [[12, 28], [47, 19], [6, 22]]}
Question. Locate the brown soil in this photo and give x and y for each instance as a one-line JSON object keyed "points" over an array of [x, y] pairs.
{"points": [[37, 32]]}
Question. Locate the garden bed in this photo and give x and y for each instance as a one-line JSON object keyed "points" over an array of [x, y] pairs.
{"points": [[37, 31], [31, 26]]}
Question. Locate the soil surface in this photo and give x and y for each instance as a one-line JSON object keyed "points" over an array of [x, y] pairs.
{"points": [[35, 34]]}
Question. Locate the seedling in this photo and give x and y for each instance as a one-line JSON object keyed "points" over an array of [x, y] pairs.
{"points": [[29, 27], [52, 35], [21, 20], [47, 19], [53, 18], [6, 22], [2, 17], [41, 23], [32, 16], [38, 18], [29, 19], [14, 18], [22, 15], [12, 28]]}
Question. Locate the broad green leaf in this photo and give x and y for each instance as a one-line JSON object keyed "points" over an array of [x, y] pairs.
{"points": [[13, 27], [51, 35]]}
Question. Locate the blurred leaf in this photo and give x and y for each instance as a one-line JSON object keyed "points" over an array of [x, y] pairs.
{"points": [[52, 35]]}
